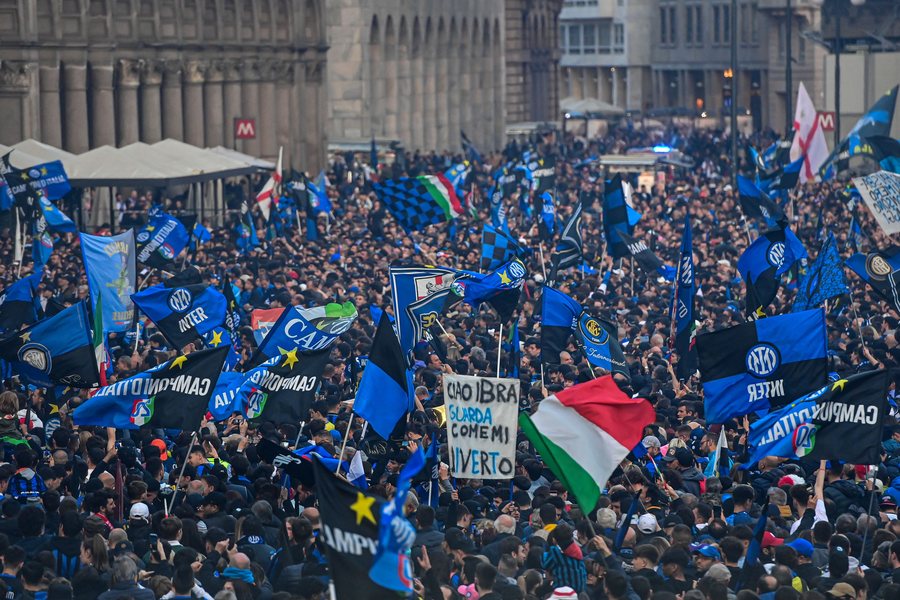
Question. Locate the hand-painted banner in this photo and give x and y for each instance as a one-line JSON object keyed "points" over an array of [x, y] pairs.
{"points": [[482, 415], [881, 191]]}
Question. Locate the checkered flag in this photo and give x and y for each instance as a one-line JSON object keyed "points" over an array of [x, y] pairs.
{"points": [[417, 202], [497, 248]]}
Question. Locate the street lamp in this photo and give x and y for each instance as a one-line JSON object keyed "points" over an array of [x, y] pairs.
{"points": [[837, 9]]}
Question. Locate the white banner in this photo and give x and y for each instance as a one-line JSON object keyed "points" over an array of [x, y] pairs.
{"points": [[881, 191], [482, 417]]}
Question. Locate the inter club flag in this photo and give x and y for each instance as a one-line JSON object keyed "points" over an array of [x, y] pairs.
{"points": [[497, 247], [569, 250], [547, 224], [411, 284], [225, 401], [764, 262], [48, 180], [173, 395], [17, 302], [757, 205], [645, 257], [824, 278], [881, 270], [58, 350], [283, 388], [183, 313], [110, 266], [385, 391], [543, 175], [306, 329], [559, 315], [350, 530], [819, 426], [417, 202], [685, 324], [163, 239], [598, 338], [501, 289], [618, 216], [762, 364], [583, 432]]}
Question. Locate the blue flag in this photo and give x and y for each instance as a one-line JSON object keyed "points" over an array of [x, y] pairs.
{"points": [[49, 220], [57, 350], [618, 216], [305, 329], [225, 400], [201, 233], [56, 220], [559, 316], [599, 338], [764, 262], [221, 336], [498, 247], [18, 304], [182, 313], [318, 194], [823, 280], [413, 284], [385, 391], [247, 239], [685, 324], [457, 175], [161, 240], [110, 266], [49, 178], [762, 364], [500, 289], [396, 534], [548, 216]]}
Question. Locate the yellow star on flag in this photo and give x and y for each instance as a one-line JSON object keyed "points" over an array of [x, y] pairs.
{"points": [[216, 339], [290, 358], [26, 337], [178, 361], [54, 409], [839, 384], [363, 508], [504, 278]]}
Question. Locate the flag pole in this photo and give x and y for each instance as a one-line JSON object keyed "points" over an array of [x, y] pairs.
{"points": [[632, 275], [499, 347], [543, 268], [344, 444], [146, 278], [168, 505], [299, 433]]}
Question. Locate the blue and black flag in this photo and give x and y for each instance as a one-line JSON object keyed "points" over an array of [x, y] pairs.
{"points": [[783, 178], [570, 248], [763, 263], [469, 148], [559, 316], [618, 216], [385, 391], [757, 205], [762, 364], [878, 121], [645, 257], [164, 238], [543, 175], [283, 389], [247, 239], [685, 324], [501, 289], [881, 270], [173, 395], [182, 313], [599, 340], [823, 280], [498, 247], [17, 302], [58, 350], [25, 197], [547, 224]]}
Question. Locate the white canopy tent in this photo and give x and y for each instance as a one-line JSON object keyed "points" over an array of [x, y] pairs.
{"points": [[19, 159], [45, 152]]}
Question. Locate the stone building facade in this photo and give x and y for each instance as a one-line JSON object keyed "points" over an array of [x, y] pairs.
{"points": [[79, 74], [532, 60], [417, 72]]}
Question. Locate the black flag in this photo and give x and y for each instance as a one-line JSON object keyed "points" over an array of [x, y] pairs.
{"points": [[569, 250], [283, 388], [644, 256]]}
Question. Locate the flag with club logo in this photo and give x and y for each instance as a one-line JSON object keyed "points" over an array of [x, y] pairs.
{"points": [[547, 224], [599, 340], [48, 220], [498, 247], [163, 239], [569, 249], [685, 324], [283, 389], [417, 202], [18, 184], [416, 285], [47, 179], [559, 316], [183, 313], [818, 425], [55, 351], [881, 270], [762, 364], [349, 533], [757, 205], [763, 263], [18, 303], [618, 216], [109, 262], [384, 395], [543, 175], [318, 194], [173, 395], [469, 148], [304, 329], [500, 289], [457, 176], [823, 279], [225, 401], [809, 139]]}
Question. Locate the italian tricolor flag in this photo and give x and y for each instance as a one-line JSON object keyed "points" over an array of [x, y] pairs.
{"points": [[442, 192], [584, 432]]}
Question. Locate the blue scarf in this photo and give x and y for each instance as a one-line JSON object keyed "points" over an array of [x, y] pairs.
{"points": [[245, 575]]}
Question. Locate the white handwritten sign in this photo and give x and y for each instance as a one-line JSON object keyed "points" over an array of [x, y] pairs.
{"points": [[881, 191], [482, 415]]}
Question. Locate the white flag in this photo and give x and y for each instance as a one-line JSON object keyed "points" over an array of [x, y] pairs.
{"points": [[809, 139], [271, 191]]}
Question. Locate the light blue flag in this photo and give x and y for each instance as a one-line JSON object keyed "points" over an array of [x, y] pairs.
{"points": [[225, 399], [110, 265]]}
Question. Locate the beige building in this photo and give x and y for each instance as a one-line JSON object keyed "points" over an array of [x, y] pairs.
{"points": [[79, 74], [532, 60]]}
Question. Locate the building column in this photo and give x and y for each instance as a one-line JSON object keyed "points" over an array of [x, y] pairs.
{"points": [[51, 117], [429, 96], [389, 68], [441, 104], [19, 101], [487, 98], [465, 92], [151, 107], [499, 96], [103, 111], [173, 118], [265, 128], [192, 102], [76, 137], [127, 110], [250, 103], [309, 92], [213, 109], [417, 114], [232, 99], [453, 99], [284, 80], [404, 92]]}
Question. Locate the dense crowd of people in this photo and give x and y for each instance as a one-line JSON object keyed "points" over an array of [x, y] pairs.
{"points": [[147, 514]]}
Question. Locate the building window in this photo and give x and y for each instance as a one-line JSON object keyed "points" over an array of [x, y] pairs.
{"points": [[801, 49], [589, 38], [726, 24], [618, 38], [574, 39], [754, 25], [782, 33], [562, 39], [698, 26], [717, 25], [745, 22], [673, 29], [689, 26], [663, 26]]}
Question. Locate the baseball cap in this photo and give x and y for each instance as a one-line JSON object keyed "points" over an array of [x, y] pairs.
{"points": [[803, 547], [709, 552], [651, 441], [139, 511], [769, 540], [842, 590], [163, 449], [215, 499], [647, 524], [563, 593], [457, 540]]}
